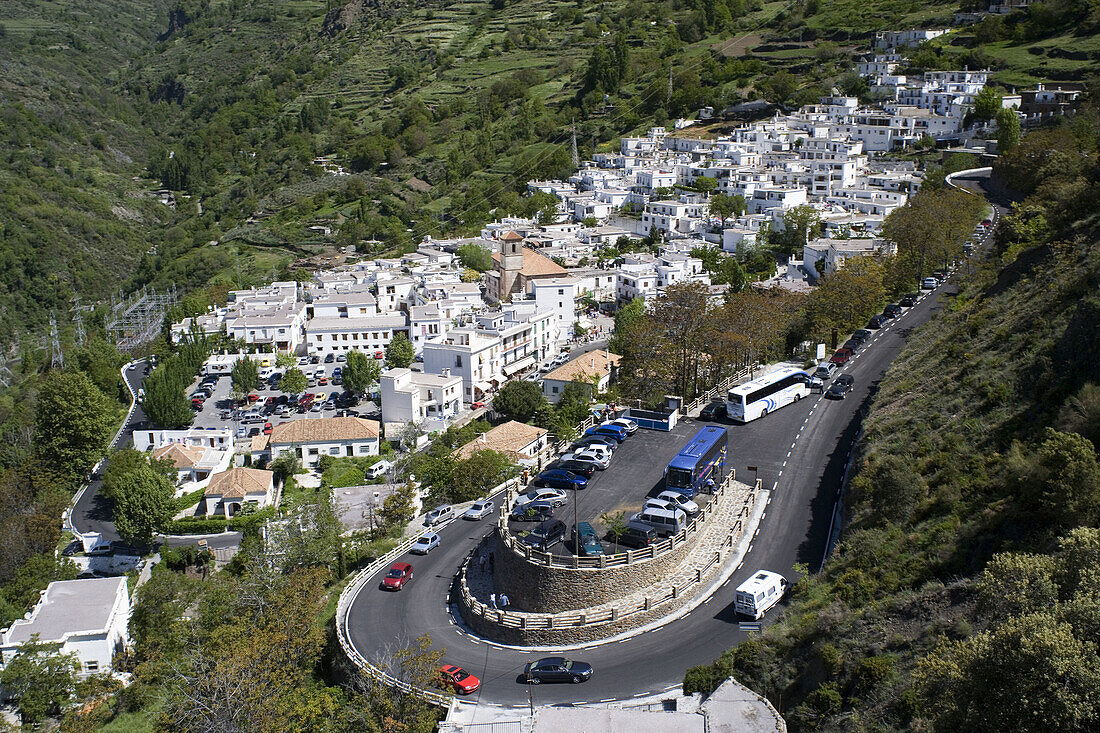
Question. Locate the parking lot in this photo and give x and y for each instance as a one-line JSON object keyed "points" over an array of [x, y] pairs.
{"points": [[213, 412], [636, 473]]}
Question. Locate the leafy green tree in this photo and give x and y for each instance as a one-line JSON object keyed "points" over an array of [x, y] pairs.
{"points": [[100, 360], [165, 400], [706, 184], [286, 466], [144, 502], [1008, 129], [293, 381], [519, 399], [987, 103], [475, 257], [397, 508], [73, 422], [1061, 481], [400, 351], [625, 319], [724, 206], [1029, 674], [778, 87], [245, 376], [475, 476], [41, 679], [1015, 584], [616, 525], [360, 371], [799, 225], [1081, 414]]}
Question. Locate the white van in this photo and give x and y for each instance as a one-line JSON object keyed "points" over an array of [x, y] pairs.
{"points": [[759, 593], [379, 468], [665, 521]]}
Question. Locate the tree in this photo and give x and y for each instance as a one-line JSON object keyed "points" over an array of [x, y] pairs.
{"points": [[1029, 674], [400, 352], [799, 224], [245, 376], [1081, 414], [1008, 129], [144, 503], [987, 103], [475, 257], [397, 508], [73, 422], [40, 678], [1061, 481], [475, 476], [360, 371], [778, 87], [519, 399], [625, 318], [725, 206], [1015, 584], [285, 466], [293, 381], [706, 184], [616, 525]]}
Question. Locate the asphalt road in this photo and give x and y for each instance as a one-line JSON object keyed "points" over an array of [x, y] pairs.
{"points": [[801, 451], [93, 511]]}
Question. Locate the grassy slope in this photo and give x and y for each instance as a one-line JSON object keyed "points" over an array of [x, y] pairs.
{"points": [[70, 215]]}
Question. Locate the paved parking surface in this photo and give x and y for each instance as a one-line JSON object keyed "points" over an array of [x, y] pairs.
{"points": [[636, 472], [209, 416]]}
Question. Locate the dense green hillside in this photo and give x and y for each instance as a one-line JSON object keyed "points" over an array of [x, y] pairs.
{"points": [[963, 593]]}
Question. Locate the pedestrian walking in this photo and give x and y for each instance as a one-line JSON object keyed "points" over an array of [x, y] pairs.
{"points": [[493, 600], [710, 486], [482, 562], [504, 600]]}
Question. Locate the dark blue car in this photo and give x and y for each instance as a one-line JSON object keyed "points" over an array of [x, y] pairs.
{"points": [[609, 431], [557, 478]]}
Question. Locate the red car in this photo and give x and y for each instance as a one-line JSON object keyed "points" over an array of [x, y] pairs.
{"points": [[462, 681], [322, 381], [253, 397], [268, 428], [399, 574], [841, 356], [379, 355], [477, 405]]}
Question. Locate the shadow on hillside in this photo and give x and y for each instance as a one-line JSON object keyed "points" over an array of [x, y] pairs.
{"points": [[812, 548]]}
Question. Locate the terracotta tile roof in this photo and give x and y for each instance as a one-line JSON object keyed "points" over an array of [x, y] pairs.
{"points": [[510, 438], [510, 236], [324, 429], [592, 364], [237, 483], [181, 456], [259, 443], [535, 264]]}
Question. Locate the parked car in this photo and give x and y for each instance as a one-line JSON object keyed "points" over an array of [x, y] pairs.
{"points": [[549, 533], [303, 360], [439, 515], [680, 501], [863, 333], [458, 679], [399, 574], [841, 387], [713, 411], [638, 535], [583, 443], [841, 356], [329, 358], [581, 468], [909, 300], [425, 543], [610, 431], [825, 371], [479, 509], [853, 344], [341, 358], [533, 511], [626, 424], [601, 459], [561, 479], [585, 541], [892, 311], [876, 322], [477, 405], [555, 497], [556, 669], [268, 427], [929, 283]]}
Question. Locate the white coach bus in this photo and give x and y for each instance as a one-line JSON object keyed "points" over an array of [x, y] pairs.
{"points": [[768, 393]]}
